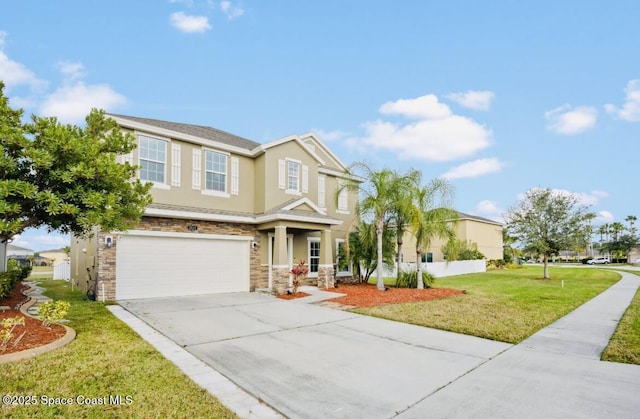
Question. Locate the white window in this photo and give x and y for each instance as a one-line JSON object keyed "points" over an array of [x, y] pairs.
{"points": [[153, 159], [293, 176], [314, 256], [343, 267], [215, 171]]}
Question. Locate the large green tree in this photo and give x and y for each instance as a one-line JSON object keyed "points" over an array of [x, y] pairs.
{"points": [[65, 177], [546, 221], [361, 250]]}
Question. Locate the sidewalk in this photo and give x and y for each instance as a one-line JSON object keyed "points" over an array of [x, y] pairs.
{"points": [[556, 373]]}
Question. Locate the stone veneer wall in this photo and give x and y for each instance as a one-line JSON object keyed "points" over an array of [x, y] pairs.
{"points": [[325, 277], [106, 257]]}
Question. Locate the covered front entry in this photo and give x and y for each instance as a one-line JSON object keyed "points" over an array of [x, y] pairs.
{"points": [[318, 255], [155, 264]]}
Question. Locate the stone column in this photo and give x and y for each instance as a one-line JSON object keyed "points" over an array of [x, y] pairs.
{"points": [[325, 268], [280, 267]]}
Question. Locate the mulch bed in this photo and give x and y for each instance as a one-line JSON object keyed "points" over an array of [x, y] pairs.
{"points": [[36, 334], [367, 295], [292, 297]]}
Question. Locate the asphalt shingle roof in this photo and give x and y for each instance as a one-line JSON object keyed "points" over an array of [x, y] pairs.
{"points": [[200, 131]]}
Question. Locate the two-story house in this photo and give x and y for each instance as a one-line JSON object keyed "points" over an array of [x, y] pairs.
{"points": [[228, 215]]}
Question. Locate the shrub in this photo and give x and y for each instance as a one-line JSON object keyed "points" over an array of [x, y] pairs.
{"points": [[496, 264], [53, 311], [409, 279], [25, 271]]}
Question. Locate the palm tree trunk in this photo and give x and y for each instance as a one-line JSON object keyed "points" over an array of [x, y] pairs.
{"points": [[419, 285], [379, 230]]}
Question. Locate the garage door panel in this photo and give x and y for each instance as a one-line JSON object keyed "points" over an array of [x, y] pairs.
{"points": [[156, 266]]}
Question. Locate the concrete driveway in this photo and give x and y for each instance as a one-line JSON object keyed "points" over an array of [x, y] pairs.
{"points": [[311, 361]]}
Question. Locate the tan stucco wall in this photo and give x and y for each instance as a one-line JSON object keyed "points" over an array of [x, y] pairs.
{"points": [[487, 236]]}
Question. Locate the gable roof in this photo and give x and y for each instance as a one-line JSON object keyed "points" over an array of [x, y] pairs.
{"points": [[199, 131], [13, 247]]}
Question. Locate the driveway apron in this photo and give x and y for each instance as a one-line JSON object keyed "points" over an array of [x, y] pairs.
{"points": [[310, 361]]}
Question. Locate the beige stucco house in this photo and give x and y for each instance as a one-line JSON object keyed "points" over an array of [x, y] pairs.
{"points": [[228, 215], [486, 233]]}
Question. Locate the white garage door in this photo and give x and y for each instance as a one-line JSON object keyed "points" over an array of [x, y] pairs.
{"points": [[171, 265]]}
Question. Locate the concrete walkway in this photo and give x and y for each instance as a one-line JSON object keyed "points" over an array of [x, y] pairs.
{"points": [[310, 361]]}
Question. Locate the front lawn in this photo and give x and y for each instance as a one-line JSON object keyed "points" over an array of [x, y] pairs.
{"points": [[106, 359], [503, 305]]}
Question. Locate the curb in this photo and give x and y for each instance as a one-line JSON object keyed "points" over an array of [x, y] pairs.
{"points": [[30, 353]]}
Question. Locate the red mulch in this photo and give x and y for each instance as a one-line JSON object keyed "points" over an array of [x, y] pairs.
{"points": [[291, 296], [367, 295], [37, 334]]}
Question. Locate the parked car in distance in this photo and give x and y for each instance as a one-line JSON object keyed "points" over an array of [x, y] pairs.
{"points": [[598, 261]]}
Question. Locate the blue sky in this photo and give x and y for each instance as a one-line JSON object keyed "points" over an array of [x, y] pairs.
{"points": [[498, 96]]}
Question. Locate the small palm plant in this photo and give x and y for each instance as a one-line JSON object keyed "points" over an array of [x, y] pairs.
{"points": [[299, 272]]}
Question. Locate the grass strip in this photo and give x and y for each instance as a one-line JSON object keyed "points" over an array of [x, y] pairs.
{"points": [[107, 359]]}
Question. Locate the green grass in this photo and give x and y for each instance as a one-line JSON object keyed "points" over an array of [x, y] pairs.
{"points": [[107, 358], [502, 305], [624, 345]]}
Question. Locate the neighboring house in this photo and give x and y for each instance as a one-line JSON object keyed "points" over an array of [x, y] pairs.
{"points": [[486, 233], [228, 215], [22, 255], [54, 256]]}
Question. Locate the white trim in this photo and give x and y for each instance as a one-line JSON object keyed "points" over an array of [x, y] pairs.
{"points": [[305, 179], [194, 215], [176, 234], [302, 201], [339, 174], [157, 185], [282, 168], [309, 241], [322, 191], [235, 176], [196, 171], [212, 192], [297, 191], [343, 212], [175, 164]]}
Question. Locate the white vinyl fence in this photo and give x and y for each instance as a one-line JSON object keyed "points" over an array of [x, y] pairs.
{"points": [[62, 270], [442, 269]]}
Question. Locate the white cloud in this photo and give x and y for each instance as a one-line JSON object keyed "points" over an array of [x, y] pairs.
{"points": [[437, 135], [329, 136], [630, 111], [603, 217], [230, 10], [490, 209], [477, 100], [474, 168], [14, 73], [585, 198], [71, 71], [423, 107], [71, 103], [190, 23], [568, 121]]}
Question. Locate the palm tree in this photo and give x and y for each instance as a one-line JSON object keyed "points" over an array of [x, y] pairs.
{"points": [[631, 219], [379, 195], [404, 212], [603, 230], [436, 218], [590, 216], [616, 229]]}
